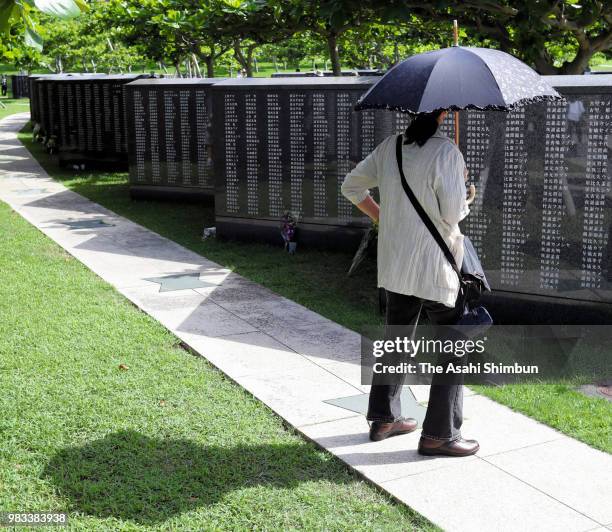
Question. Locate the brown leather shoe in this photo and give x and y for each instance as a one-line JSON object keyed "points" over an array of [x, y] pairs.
{"points": [[458, 447], [381, 431]]}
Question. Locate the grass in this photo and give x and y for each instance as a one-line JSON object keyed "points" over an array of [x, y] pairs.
{"points": [[105, 417], [588, 419], [20, 105], [317, 280], [603, 66]]}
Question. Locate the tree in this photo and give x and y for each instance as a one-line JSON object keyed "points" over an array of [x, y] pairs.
{"points": [[330, 19], [248, 24], [170, 30], [586, 27], [137, 23], [80, 44], [381, 45], [183, 25], [295, 49], [534, 31]]}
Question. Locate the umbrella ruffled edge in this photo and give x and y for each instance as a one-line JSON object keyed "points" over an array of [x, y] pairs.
{"points": [[526, 101]]}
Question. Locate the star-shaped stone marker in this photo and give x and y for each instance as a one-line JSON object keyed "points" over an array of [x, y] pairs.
{"points": [[359, 403], [181, 281], [87, 224]]}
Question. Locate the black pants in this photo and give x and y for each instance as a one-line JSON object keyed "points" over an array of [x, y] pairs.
{"points": [[445, 408]]}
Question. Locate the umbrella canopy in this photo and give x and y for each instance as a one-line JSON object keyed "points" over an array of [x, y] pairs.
{"points": [[457, 78]]}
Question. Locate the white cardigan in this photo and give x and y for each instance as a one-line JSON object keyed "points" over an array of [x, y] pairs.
{"points": [[409, 259]]}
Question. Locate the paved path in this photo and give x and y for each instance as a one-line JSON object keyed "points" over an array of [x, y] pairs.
{"points": [[526, 476]]}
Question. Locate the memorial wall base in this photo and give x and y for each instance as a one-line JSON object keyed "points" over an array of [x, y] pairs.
{"points": [[164, 193], [308, 235]]}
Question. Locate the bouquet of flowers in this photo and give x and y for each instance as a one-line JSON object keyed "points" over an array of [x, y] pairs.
{"points": [[288, 231]]}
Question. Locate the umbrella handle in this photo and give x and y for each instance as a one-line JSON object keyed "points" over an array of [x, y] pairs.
{"points": [[457, 128]]}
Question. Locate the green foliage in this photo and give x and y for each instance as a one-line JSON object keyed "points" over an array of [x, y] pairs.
{"points": [[381, 45], [558, 37], [553, 36], [170, 31], [330, 19], [300, 47], [23, 14], [84, 44]]}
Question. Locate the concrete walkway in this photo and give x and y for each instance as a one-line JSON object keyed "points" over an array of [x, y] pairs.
{"points": [[526, 476]]}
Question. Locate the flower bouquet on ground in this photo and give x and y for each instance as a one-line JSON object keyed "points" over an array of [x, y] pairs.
{"points": [[366, 247], [289, 230]]}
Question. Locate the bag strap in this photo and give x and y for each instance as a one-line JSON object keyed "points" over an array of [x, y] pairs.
{"points": [[421, 212]]}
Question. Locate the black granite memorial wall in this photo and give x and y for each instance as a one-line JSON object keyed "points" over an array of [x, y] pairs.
{"points": [[169, 138], [34, 99], [44, 104], [285, 145], [307, 74], [45, 107], [20, 86], [542, 220], [82, 117]]}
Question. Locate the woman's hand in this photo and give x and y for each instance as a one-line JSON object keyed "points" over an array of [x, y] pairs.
{"points": [[471, 194], [471, 188], [369, 207]]}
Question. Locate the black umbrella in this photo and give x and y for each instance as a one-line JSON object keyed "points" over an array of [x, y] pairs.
{"points": [[457, 78]]}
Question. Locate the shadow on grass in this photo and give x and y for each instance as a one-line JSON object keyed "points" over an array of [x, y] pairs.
{"points": [[127, 475]]}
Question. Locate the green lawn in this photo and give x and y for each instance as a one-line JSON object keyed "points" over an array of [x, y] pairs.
{"points": [[603, 66], [317, 280], [105, 417], [20, 105]]}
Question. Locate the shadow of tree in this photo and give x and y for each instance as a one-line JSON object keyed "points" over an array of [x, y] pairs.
{"points": [[130, 476]]}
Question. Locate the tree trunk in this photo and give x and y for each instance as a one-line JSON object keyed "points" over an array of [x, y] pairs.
{"points": [[238, 55], [249, 61], [544, 66], [210, 66], [580, 62], [334, 54], [544, 63], [245, 61]]}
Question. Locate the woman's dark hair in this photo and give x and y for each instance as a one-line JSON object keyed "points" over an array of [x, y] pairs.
{"points": [[422, 127]]}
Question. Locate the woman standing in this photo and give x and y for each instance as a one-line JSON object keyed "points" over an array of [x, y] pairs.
{"points": [[412, 268]]}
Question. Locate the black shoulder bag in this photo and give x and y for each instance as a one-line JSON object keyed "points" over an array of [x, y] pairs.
{"points": [[472, 280]]}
